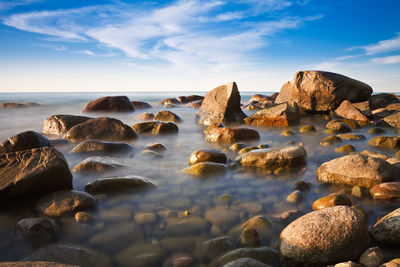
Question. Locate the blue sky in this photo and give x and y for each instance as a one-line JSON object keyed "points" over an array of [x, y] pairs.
{"points": [[194, 45]]}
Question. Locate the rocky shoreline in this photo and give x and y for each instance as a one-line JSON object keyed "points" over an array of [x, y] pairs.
{"points": [[105, 229]]}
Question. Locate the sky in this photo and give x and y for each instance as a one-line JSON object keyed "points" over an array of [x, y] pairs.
{"points": [[194, 45]]}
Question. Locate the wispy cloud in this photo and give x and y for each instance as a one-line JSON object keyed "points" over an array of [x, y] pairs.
{"points": [[386, 60], [6, 5], [390, 45]]}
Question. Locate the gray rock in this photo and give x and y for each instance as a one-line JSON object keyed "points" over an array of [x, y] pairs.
{"points": [[37, 230], [387, 229], [210, 249], [60, 124], [263, 254], [246, 262]]}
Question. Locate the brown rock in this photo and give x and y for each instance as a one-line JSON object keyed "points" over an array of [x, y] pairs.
{"points": [[169, 101], [33, 173], [37, 230], [249, 262], [382, 100], [35, 264], [157, 147], [189, 98], [60, 124], [260, 98], [221, 105], [18, 105], [210, 249], [206, 169], [222, 217], [363, 107], [144, 117], [387, 229], [372, 257], [166, 115], [140, 105], [390, 142], [100, 147], [118, 184], [103, 129], [281, 115], [195, 104], [348, 111], [142, 255], [386, 191], [24, 141], [155, 128], [393, 120], [203, 155], [230, 135], [321, 91], [331, 200], [110, 104], [97, 164], [265, 255]]}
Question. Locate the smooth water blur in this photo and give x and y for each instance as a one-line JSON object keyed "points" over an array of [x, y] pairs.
{"points": [[250, 194]]}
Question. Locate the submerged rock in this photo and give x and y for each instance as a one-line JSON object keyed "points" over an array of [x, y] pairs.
{"points": [[144, 117], [103, 129], [7, 105], [221, 105], [97, 164], [224, 218], [211, 249], [33, 172], [24, 141], [187, 226], [249, 238], [189, 98], [230, 135], [372, 257], [393, 120], [37, 230], [206, 169], [331, 200], [356, 170], [142, 255], [118, 184], [386, 191], [390, 142], [110, 104], [100, 147], [325, 236], [248, 262], [320, 91], [387, 229], [60, 124], [263, 254], [203, 155], [166, 115], [280, 115], [345, 149]]}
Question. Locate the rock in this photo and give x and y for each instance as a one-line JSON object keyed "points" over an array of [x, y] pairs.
{"points": [[178, 260], [376, 130], [263, 254], [206, 169], [61, 124], [359, 191], [65, 202], [119, 184], [350, 123], [237, 147], [187, 226], [168, 101], [246, 262], [303, 186], [307, 129], [335, 199], [390, 264], [100, 147], [7, 105], [393, 120], [224, 218], [363, 107], [381, 100], [252, 106], [189, 98], [351, 136], [145, 217], [230, 135], [390, 142], [155, 128], [33, 172], [246, 149], [281, 115], [334, 127], [143, 255], [110, 104], [70, 254], [97, 164], [330, 140], [140, 105], [150, 154], [203, 155], [37, 230], [260, 98], [325, 236], [355, 170], [221, 105], [261, 223], [24, 141], [287, 133], [145, 117], [290, 157], [249, 238], [166, 115], [373, 154], [386, 191], [295, 197], [345, 149], [387, 229], [195, 104], [348, 264], [372, 257], [157, 147], [348, 111], [84, 217], [103, 129], [181, 244], [34, 264], [211, 249], [117, 214], [319, 91]]}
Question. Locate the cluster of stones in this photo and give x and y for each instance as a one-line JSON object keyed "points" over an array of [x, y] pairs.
{"points": [[336, 232]]}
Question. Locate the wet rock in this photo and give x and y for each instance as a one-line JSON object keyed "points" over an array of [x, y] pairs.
{"points": [[319, 91], [335, 199], [187, 226], [337, 127], [251, 207], [390, 142], [246, 262], [390, 264], [110, 104], [117, 214], [295, 197], [84, 217], [224, 218], [237, 147], [330, 140], [143, 255], [206, 169], [24, 141], [100, 147], [155, 128], [345, 149], [211, 249], [97, 164], [203, 155], [166, 115], [252, 106], [230, 135], [246, 149], [373, 154], [157, 147], [145, 217], [140, 105], [348, 264], [189, 98], [386, 191], [195, 104], [263, 254], [37, 230], [260, 98], [103, 129], [34, 264], [33, 173], [355, 170], [6, 105], [376, 130], [168, 101], [65, 202], [249, 238], [372, 257], [260, 222], [393, 120], [118, 184], [150, 154], [363, 107], [181, 244], [178, 260], [221, 105], [348, 111], [307, 129], [144, 117], [272, 158], [61, 124], [381, 100], [387, 229], [303, 186], [281, 115], [359, 191], [351, 136], [324, 236], [70, 254], [287, 133]]}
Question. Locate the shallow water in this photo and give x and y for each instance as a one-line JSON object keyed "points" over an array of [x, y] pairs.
{"points": [[250, 193]]}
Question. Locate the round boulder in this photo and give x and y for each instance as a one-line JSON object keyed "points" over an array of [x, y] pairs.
{"points": [[203, 155], [110, 104], [118, 184], [23, 141], [60, 124], [387, 229]]}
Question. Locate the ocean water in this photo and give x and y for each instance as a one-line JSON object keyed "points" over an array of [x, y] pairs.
{"points": [[177, 194]]}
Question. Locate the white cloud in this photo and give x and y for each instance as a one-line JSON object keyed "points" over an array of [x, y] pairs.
{"points": [[5, 5], [386, 60], [384, 46]]}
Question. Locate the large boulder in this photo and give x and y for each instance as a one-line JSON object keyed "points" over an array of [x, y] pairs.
{"points": [[273, 158], [60, 124], [387, 229], [23, 141], [320, 91], [230, 135], [281, 115], [347, 110], [103, 129], [326, 236], [118, 184], [33, 172], [110, 104], [140, 105], [221, 105], [390, 142], [356, 170]]}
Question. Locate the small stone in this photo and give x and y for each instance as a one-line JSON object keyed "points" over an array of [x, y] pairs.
{"points": [[211, 155], [359, 191], [237, 146], [249, 238], [307, 129], [84, 217], [157, 147], [330, 140], [303, 186], [144, 117], [206, 169], [376, 130], [373, 154], [386, 191], [345, 149], [295, 197], [222, 217], [119, 184], [348, 264], [390, 142], [247, 149], [287, 133], [372, 257], [145, 217], [337, 127], [351, 136], [142, 255], [150, 154], [97, 164], [331, 201]]}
